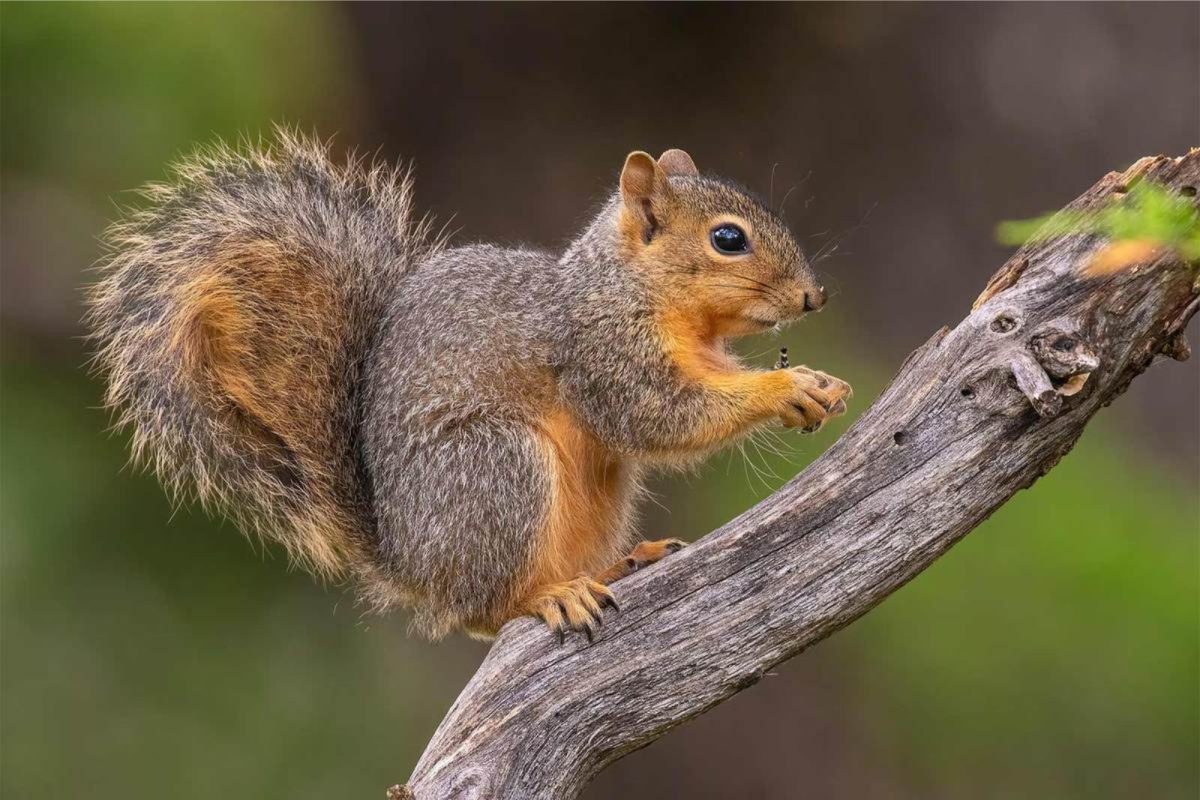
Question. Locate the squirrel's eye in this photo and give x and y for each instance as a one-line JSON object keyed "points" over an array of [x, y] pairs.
{"points": [[729, 239]]}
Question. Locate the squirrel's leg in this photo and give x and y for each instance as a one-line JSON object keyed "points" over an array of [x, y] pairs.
{"points": [[459, 518], [643, 555], [585, 526], [731, 402]]}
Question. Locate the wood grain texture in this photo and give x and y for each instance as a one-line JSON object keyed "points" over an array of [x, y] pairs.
{"points": [[976, 414]]}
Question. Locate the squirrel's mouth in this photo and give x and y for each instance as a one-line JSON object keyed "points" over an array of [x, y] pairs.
{"points": [[762, 323], [749, 324]]}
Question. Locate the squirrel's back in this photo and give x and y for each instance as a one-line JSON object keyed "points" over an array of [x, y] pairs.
{"points": [[233, 319]]}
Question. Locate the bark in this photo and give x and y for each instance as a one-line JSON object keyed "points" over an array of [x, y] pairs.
{"points": [[976, 414]]}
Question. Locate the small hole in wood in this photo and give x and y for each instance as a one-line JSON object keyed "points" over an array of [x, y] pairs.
{"points": [[1064, 344], [1120, 189], [901, 437], [1188, 191], [967, 391], [1003, 324]]}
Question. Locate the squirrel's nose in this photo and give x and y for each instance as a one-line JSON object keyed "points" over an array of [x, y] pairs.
{"points": [[814, 299]]}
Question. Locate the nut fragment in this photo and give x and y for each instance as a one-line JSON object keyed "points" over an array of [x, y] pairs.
{"points": [[1073, 384]]}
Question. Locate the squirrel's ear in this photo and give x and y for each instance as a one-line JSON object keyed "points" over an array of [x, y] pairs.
{"points": [[644, 187], [678, 162], [642, 179]]}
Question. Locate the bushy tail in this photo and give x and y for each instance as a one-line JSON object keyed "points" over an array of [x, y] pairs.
{"points": [[232, 322]]}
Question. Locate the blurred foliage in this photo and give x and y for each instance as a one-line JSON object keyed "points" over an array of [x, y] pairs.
{"points": [[165, 76], [1146, 219], [1065, 631], [148, 651]]}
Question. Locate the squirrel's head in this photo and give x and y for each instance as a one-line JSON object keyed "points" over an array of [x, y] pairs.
{"points": [[716, 252]]}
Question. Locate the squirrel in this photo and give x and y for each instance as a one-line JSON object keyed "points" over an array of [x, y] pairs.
{"points": [[463, 431]]}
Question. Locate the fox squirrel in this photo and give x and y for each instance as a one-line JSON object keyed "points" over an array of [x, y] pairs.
{"points": [[461, 430]]}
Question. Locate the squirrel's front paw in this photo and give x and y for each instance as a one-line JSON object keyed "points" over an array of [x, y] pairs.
{"points": [[575, 605], [816, 397]]}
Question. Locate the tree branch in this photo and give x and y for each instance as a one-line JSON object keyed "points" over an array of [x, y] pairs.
{"points": [[974, 415]]}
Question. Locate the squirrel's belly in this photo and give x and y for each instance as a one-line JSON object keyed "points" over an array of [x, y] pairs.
{"points": [[591, 494]]}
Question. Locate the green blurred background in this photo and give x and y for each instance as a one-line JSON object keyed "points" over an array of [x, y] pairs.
{"points": [[148, 651]]}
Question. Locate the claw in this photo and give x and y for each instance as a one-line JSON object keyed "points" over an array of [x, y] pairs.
{"points": [[574, 605]]}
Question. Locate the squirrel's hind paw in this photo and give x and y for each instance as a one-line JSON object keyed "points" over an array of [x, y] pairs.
{"points": [[646, 552], [576, 605]]}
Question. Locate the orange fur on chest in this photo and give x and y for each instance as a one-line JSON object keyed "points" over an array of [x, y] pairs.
{"points": [[691, 342], [590, 498], [742, 397]]}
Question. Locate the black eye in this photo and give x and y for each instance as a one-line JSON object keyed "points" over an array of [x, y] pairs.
{"points": [[729, 239]]}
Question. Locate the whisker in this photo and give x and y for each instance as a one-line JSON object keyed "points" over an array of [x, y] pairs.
{"points": [[789, 450], [770, 290], [741, 292], [834, 243], [748, 278], [770, 351], [758, 472], [751, 291], [741, 287], [766, 472], [783, 203], [827, 250], [783, 449], [745, 462]]}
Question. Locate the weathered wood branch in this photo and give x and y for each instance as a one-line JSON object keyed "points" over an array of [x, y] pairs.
{"points": [[974, 415]]}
